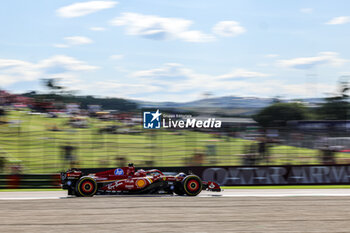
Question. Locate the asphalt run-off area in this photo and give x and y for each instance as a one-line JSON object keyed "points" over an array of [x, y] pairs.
{"points": [[246, 210]]}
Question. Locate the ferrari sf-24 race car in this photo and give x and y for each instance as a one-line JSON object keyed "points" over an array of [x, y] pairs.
{"points": [[126, 181]]}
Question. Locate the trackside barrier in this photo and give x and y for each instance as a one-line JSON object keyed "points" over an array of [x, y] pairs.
{"points": [[32, 181], [276, 175], [265, 175], [223, 175]]}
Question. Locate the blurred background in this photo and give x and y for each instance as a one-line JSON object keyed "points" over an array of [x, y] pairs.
{"points": [[48, 133], [76, 76]]}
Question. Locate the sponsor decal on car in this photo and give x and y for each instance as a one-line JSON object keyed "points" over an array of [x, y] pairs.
{"points": [[118, 172], [114, 184], [101, 178], [140, 183]]}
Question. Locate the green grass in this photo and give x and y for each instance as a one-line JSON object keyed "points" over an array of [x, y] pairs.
{"points": [[38, 149]]}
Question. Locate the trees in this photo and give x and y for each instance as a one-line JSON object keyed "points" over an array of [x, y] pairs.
{"points": [[105, 103], [276, 115], [336, 107]]}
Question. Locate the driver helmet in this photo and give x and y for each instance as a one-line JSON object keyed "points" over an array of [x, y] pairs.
{"points": [[181, 174]]}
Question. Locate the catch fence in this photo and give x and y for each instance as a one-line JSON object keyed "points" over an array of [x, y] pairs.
{"points": [[45, 151], [38, 143]]}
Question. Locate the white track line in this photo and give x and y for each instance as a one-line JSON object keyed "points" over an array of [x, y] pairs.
{"points": [[27, 198], [32, 195], [47, 195], [278, 195]]}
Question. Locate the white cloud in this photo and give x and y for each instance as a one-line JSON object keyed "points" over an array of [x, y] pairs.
{"points": [[167, 70], [74, 40], [77, 40], [117, 56], [173, 75], [64, 63], [97, 29], [228, 28], [171, 81], [242, 73], [306, 10], [195, 36], [177, 78], [184, 84], [14, 71], [339, 20], [322, 58], [10, 63], [160, 28], [84, 8]]}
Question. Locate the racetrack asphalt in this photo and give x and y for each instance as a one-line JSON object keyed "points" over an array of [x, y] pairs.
{"points": [[302, 210]]}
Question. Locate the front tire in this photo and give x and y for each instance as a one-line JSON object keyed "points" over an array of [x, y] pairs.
{"points": [[192, 185], [86, 187]]}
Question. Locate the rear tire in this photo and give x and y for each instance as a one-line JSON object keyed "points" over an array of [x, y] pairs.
{"points": [[86, 187], [192, 185]]}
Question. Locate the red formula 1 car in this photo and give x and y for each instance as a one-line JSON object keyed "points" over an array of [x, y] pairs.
{"points": [[126, 181]]}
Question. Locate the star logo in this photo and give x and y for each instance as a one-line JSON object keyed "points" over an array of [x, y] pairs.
{"points": [[156, 115], [151, 120]]}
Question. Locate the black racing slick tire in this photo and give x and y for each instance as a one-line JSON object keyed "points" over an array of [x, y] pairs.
{"points": [[192, 185], [86, 187], [179, 189]]}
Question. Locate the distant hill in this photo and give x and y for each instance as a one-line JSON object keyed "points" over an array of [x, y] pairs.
{"points": [[219, 102], [232, 105], [226, 105]]}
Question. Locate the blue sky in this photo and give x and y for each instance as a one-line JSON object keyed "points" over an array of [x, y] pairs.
{"points": [[165, 50]]}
